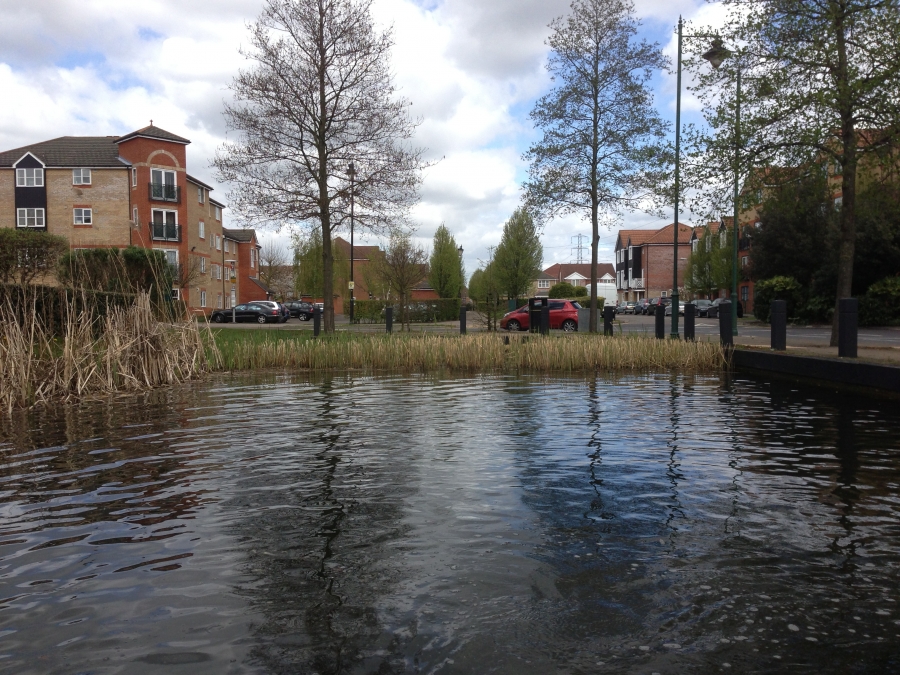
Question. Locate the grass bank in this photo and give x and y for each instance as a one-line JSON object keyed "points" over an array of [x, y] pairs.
{"points": [[483, 352], [127, 349]]}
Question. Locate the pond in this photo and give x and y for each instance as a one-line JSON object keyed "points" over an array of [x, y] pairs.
{"points": [[350, 524]]}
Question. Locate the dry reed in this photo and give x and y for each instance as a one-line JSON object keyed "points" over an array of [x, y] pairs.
{"points": [[473, 353], [127, 350]]}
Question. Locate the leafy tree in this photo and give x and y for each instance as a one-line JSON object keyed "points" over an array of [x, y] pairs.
{"points": [[129, 270], [485, 291], [835, 65], [26, 256], [446, 270], [274, 269], [601, 150], [517, 261], [562, 290], [309, 265], [319, 97], [401, 266]]}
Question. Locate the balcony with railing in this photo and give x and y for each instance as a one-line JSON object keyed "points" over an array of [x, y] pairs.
{"points": [[163, 231], [636, 282], [164, 192]]}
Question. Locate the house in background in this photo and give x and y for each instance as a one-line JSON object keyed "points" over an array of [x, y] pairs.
{"points": [[119, 191], [645, 261], [540, 287], [577, 274]]}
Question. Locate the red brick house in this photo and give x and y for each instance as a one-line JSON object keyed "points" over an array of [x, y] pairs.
{"points": [[644, 261]]}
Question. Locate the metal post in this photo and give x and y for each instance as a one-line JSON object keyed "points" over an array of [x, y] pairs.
{"points": [[725, 335], [847, 327], [389, 319], [660, 316], [735, 227], [317, 321], [545, 317], [690, 313], [352, 172], [462, 319], [677, 190], [534, 316], [609, 313], [778, 319]]}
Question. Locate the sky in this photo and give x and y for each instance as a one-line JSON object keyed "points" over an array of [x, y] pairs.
{"points": [[472, 69]]}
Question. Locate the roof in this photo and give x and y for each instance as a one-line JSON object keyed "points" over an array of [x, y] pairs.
{"points": [[544, 275], [246, 236], [359, 252], [665, 235], [561, 271], [636, 237], [71, 151], [153, 132], [261, 285], [216, 203], [197, 181]]}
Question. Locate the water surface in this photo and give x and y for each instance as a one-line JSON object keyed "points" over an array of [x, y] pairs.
{"points": [[485, 525]]}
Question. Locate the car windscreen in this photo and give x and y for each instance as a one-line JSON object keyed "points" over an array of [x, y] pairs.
{"points": [[577, 305]]}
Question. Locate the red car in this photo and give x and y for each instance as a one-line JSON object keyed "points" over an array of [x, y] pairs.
{"points": [[563, 316]]}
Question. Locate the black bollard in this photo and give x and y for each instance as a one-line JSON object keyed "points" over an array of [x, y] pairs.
{"points": [[462, 319], [726, 333], [389, 319], [690, 313], [609, 313], [848, 323], [545, 317], [778, 320], [534, 316], [660, 315], [317, 321]]}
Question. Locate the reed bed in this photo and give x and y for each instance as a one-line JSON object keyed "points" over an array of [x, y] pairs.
{"points": [[126, 350], [471, 353]]}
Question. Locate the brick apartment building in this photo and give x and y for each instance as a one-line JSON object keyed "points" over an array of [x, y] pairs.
{"points": [[644, 261], [132, 190]]}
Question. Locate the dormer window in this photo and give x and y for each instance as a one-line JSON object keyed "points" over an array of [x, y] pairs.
{"points": [[81, 176], [29, 177]]}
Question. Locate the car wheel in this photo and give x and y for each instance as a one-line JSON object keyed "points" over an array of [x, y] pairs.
{"points": [[569, 326], [513, 325], [260, 319], [303, 317], [218, 318]]}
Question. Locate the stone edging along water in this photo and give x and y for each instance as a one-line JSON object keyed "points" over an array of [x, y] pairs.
{"points": [[843, 372]]}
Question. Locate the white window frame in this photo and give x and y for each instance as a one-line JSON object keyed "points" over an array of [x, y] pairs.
{"points": [[133, 177], [218, 213], [82, 216], [218, 243], [226, 246], [745, 259], [663, 294], [78, 177], [838, 202], [39, 216], [167, 251], [176, 294], [134, 215], [201, 229], [37, 177], [203, 298], [202, 265], [164, 211], [252, 258], [199, 195], [219, 301]]}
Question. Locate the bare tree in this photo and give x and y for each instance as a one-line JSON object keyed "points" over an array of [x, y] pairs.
{"points": [[320, 97], [275, 269], [402, 266]]}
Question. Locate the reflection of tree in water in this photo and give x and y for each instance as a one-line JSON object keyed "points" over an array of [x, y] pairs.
{"points": [[318, 518]]}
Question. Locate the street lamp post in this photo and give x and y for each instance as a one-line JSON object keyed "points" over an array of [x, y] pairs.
{"points": [[351, 170], [462, 307], [715, 56]]}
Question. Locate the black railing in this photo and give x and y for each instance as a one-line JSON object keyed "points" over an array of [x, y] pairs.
{"points": [[163, 192], [165, 232]]}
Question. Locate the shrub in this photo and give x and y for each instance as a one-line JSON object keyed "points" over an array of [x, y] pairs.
{"points": [[129, 270], [562, 290], [776, 288], [880, 306], [581, 292], [420, 311], [25, 255]]}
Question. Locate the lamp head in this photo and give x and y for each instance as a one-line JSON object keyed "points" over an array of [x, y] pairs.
{"points": [[460, 251], [717, 53], [351, 170]]}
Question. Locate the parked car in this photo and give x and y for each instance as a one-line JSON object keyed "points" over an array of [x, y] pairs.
{"points": [[630, 308], [563, 316], [641, 306], [702, 306], [713, 310], [252, 311], [283, 313], [301, 310], [622, 308], [680, 308], [658, 304]]}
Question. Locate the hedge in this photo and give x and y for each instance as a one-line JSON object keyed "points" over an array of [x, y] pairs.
{"points": [[49, 304], [420, 311]]}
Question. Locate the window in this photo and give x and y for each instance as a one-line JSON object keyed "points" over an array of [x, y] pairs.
{"points": [[203, 298], [219, 301], [200, 195], [745, 293], [838, 168], [201, 227], [226, 247], [744, 260], [29, 177], [163, 186], [218, 213], [202, 265], [81, 176], [219, 272], [134, 215], [133, 177], [218, 243], [164, 225], [171, 257], [543, 283], [176, 294], [83, 216], [252, 257], [227, 302], [30, 217], [663, 294], [695, 245], [838, 202]]}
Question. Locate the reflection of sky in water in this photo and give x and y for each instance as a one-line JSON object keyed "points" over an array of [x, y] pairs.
{"points": [[463, 525]]}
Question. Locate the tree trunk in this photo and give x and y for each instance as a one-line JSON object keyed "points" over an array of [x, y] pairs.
{"points": [[847, 248], [324, 201], [595, 242]]}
